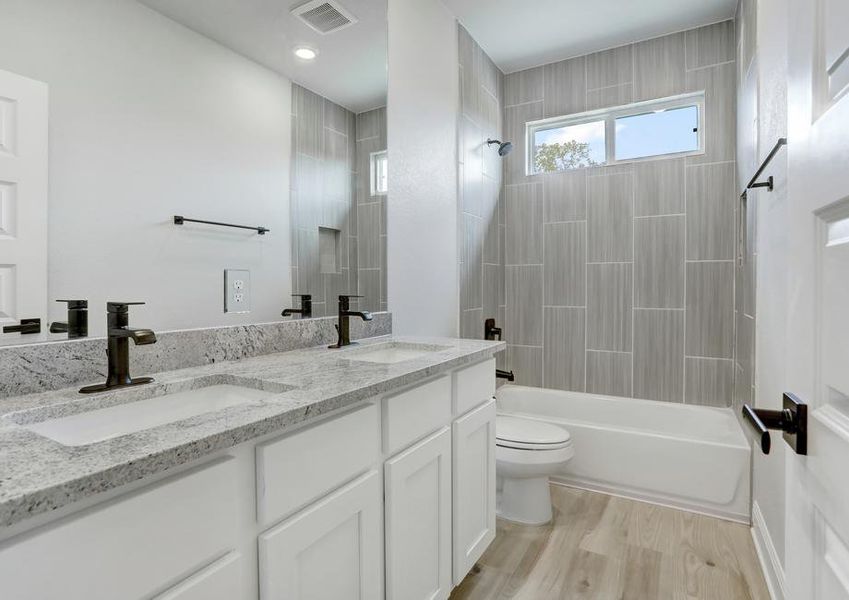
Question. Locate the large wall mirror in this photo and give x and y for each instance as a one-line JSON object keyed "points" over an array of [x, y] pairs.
{"points": [[118, 115]]}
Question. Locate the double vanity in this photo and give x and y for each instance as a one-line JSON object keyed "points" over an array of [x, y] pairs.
{"points": [[366, 472]]}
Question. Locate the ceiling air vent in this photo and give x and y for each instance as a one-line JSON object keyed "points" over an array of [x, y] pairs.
{"points": [[325, 16]]}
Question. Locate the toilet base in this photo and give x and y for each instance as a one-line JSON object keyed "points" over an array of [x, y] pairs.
{"points": [[526, 501]]}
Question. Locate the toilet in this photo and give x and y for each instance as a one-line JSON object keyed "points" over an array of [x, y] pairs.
{"points": [[527, 452]]}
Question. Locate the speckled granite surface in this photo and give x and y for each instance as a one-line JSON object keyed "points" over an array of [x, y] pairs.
{"points": [[28, 369], [38, 475]]}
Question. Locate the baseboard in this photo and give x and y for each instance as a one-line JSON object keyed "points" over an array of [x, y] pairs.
{"points": [[649, 498], [770, 564]]}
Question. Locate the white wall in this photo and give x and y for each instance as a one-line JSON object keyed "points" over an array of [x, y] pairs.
{"points": [[148, 120], [422, 117]]}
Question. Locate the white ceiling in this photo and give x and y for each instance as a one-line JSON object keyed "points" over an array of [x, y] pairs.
{"points": [[351, 65], [518, 35]]}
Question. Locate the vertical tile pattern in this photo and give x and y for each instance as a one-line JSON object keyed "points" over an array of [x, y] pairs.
{"points": [[563, 348], [659, 262], [329, 190], [710, 309], [659, 355], [481, 233], [610, 218], [565, 275], [609, 306], [623, 281], [609, 373]]}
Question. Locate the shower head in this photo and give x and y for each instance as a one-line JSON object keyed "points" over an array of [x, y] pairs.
{"points": [[504, 148]]}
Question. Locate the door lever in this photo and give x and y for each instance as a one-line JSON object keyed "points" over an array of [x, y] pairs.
{"points": [[792, 419]]}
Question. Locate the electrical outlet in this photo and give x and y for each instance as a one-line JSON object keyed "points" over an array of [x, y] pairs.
{"points": [[237, 291]]}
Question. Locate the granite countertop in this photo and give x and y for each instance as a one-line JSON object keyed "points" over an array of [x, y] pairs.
{"points": [[38, 475]]}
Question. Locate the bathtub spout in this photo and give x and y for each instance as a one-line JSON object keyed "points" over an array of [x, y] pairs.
{"points": [[508, 375]]}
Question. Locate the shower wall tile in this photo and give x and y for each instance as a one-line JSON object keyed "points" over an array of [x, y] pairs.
{"points": [[649, 276], [309, 108], [490, 221], [710, 309], [524, 304], [609, 306], [659, 69], [710, 45], [526, 364], [710, 212], [563, 348], [369, 235], [524, 224], [565, 195], [609, 373], [565, 87], [610, 218], [659, 187], [659, 262], [493, 289], [523, 86], [369, 288], [608, 97], [659, 355], [709, 381], [335, 117], [515, 118], [565, 272], [610, 67], [471, 269], [719, 84], [471, 324]]}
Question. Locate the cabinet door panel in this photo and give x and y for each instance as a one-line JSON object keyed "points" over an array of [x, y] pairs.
{"points": [[474, 487], [222, 580], [473, 386], [418, 520], [329, 551]]}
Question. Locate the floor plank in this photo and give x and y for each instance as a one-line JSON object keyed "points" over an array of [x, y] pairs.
{"points": [[604, 547]]}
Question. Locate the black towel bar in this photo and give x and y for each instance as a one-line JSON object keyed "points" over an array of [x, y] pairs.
{"points": [[179, 220], [769, 180]]}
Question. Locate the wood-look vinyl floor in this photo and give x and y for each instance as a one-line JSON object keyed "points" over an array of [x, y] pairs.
{"points": [[609, 548]]}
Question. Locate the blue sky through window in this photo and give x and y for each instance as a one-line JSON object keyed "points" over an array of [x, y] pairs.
{"points": [[664, 132], [588, 133]]}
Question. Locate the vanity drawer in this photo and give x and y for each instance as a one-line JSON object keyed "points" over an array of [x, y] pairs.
{"points": [[473, 386], [415, 413], [130, 547], [297, 469]]}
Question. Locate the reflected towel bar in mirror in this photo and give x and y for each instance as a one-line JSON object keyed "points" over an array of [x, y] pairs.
{"points": [[179, 220]]}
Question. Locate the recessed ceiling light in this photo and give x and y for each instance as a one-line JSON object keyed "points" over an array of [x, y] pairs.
{"points": [[305, 53]]}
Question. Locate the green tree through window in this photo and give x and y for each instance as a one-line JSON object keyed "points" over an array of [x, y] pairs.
{"points": [[573, 154]]}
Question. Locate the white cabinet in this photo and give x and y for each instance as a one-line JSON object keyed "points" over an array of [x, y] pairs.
{"points": [[132, 547], [418, 520], [474, 487], [222, 580], [329, 551]]}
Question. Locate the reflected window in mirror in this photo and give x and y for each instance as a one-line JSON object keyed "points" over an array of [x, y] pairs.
{"points": [[379, 175]]}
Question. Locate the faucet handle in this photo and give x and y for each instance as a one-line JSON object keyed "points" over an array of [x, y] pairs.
{"points": [[75, 304], [121, 307]]}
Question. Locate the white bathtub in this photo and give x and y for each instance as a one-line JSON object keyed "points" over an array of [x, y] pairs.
{"points": [[690, 457]]}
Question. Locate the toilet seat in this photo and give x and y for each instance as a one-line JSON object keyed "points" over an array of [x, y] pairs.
{"points": [[527, 434]]}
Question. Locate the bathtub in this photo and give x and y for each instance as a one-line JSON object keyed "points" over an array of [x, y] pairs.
{"points": [[690, 457]]}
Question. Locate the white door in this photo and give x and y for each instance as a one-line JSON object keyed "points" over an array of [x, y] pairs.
{"points": [[817, 523], [474, 487], [418, 520], [23, 198], [329, 551]]}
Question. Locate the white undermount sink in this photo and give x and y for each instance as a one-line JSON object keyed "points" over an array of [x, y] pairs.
{"points": [[166, 407], [393, 352]]}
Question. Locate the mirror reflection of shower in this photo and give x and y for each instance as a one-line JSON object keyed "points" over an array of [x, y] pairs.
{"points": [[504, 148]]}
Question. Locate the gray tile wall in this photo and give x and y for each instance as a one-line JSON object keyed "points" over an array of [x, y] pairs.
{"points": [[482, 208], [745, 266], [621, 280], [330, 150]]}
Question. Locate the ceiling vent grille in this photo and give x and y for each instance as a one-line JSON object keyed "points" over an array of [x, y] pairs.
{"points": [[325, 16]]}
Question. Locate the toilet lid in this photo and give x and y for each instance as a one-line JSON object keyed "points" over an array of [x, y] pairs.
{"points": [[525, 433]]}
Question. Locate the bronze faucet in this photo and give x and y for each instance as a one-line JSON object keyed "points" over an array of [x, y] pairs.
{"points": [[344, 326], [118, 348]]}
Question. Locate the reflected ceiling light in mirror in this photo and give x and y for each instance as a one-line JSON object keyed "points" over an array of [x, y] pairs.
{"points": [[306, 53]]}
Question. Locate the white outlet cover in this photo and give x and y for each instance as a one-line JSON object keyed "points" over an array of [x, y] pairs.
{"points": [[237, 291]]}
